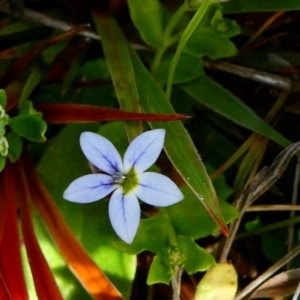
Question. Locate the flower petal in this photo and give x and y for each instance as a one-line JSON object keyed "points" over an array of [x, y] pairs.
{"points": [[101, 152], [89, 188], [124, 214], [144, 150], [158, 190]]}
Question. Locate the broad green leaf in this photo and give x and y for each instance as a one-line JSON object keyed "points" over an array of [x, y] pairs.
{"points": [[189, 217], [147, 16], [159, 270], [15, 146], [238, 6], [196, 258], [59, 166], [188, 68], [214, 96], [30, 127], [178, 145], [3, 98], [117, 54], [145, 238], [220, 282], [211, 37], [207, 43], [28, 109]]}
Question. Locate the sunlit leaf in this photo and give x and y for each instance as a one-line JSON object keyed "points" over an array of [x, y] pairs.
{"points": [[220, 282], [90, 223], [196, 258]]}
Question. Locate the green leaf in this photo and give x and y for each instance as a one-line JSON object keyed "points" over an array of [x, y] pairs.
{"points": [[3, 98], [189, 217], [273, 247], [30, 127], [2, 162], [196, 258], [15, 146], [17, 27], [63, 162], [31, 82], [254, 224], [178, 144], [188, 68], [28, 109], [117, 54], [210, 38], [147, 16], [145, 239], [190, 28], [238, 6], [214, 96], [160, 270]]}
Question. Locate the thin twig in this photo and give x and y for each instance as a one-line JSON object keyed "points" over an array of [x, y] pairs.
{"points": [[258, 281], [277, 81], [176, 282], [296, 295], [275, 207], [294, 201]]}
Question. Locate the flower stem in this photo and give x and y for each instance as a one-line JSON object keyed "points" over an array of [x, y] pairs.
{"points": [[167, 36], [184, 38]]}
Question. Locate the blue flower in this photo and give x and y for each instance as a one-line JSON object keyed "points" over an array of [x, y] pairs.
{"points": [[127, 179]]}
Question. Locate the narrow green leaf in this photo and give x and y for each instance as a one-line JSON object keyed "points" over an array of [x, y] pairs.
{"points": [[238, 6], [116, 50], [31, 82], [178, 145], [214, 96], [183, 40], [15, 146], [147, 16], [17, 27], [3, 98], [2, 162], [30, 127]]}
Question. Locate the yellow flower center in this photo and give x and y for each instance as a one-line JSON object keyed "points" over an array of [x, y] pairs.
{"points": [[128, 182]]}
